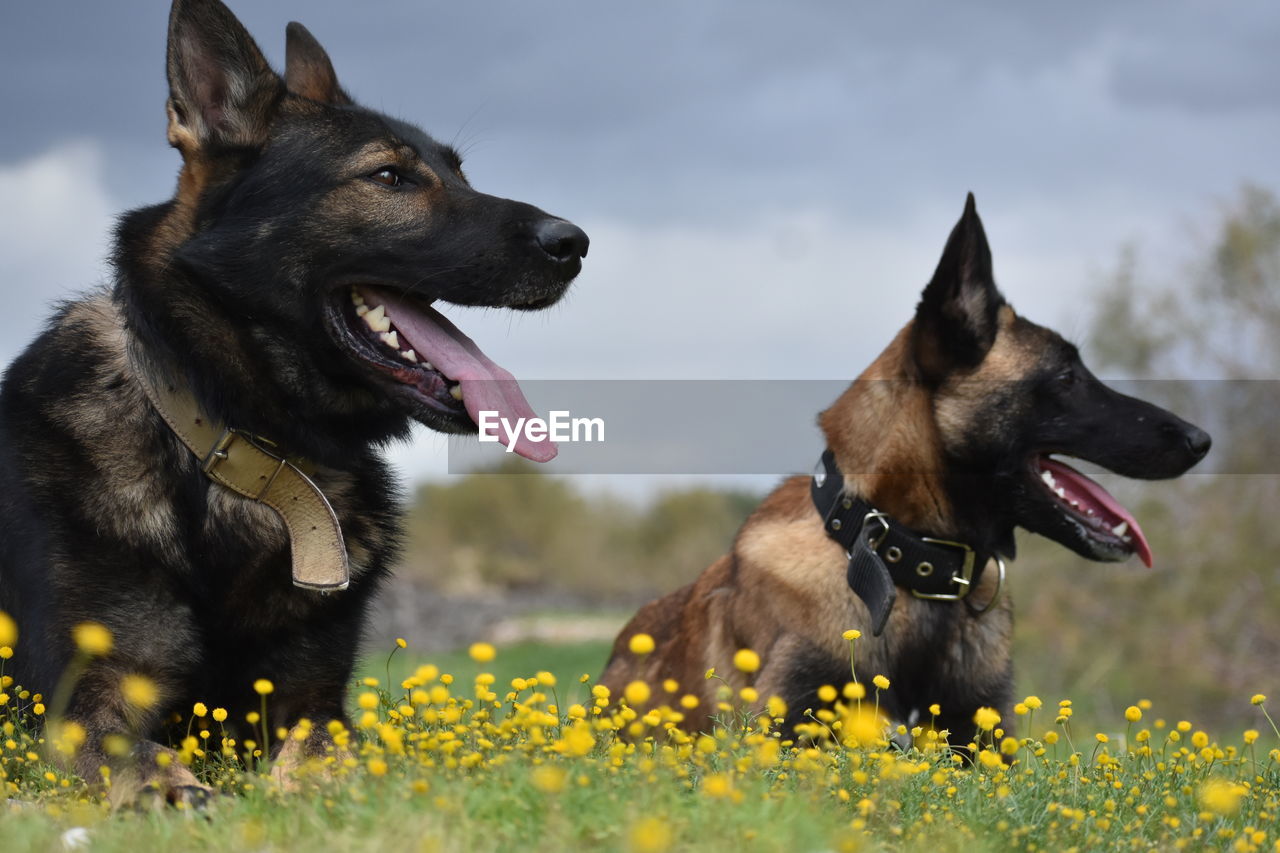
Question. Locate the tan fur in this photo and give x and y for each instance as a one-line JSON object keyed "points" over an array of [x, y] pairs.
{"points": [[309, 757]]}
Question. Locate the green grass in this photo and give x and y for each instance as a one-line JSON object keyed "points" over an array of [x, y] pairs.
{"points": [[486, 771], [568, 662]]}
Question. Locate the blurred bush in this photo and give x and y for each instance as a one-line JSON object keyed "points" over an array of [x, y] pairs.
{"points": [[1203, 628], [517, 527]]}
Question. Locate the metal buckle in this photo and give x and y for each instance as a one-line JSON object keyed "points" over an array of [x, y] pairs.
{"points": [[221, 450], [965, 577], [874, 515], [883, 518], [218, 452]]}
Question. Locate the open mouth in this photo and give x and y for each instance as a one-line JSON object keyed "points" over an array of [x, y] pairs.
{"points": [[442, 370], [1099, 517]]}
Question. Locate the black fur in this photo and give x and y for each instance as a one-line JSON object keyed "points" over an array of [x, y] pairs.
{"points": [[231, 288]]}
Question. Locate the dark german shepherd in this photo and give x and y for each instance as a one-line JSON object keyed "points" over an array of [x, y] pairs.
{"points": [[171, 447], [935, 454]]}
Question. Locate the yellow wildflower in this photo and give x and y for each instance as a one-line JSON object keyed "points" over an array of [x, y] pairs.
{"points": [[139, 691], [641, 644], [717, 785], [8, 630], [1221, 797], [92, 638], [650, 835], [482, 652], [550, 779], [263, 686], [986, 718], [746, 660], [636, 693]]}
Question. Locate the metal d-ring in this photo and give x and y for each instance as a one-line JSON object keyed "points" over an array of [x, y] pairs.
{"points": [[979, 611]]}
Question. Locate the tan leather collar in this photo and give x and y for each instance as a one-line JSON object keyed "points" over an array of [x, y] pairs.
{"points": [[240, 462]]}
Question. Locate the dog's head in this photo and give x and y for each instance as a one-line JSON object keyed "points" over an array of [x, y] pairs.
{"points": [[972, 402], [319, 233]]}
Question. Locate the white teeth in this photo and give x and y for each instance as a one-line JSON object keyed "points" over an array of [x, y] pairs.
{"points": [[456, 392], [391, 339], [409, 355], [377, 320], [1089, 511], [1047, 476], [1128, 538], [361, 310], [1121, 529], [1060, 492], [428, 365], [356, 298], [1075, 504]]}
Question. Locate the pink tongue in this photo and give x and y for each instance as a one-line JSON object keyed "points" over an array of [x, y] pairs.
{"points": [[486, 387], [1080, 488]]}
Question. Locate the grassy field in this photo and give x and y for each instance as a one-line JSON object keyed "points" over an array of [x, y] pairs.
{"points": [[516, 752]]}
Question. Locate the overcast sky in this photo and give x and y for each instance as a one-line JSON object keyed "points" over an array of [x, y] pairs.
{"points": [[748, 172]]}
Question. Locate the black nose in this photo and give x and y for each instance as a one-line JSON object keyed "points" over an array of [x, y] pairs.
{"points": [[561, 239], [1198, 442]]}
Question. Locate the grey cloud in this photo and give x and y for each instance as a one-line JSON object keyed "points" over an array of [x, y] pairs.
{"points": [[711, 111]]}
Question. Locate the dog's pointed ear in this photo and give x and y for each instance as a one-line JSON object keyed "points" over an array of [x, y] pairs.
{"points": [[222, 92], [307, 69], [957, 319]]}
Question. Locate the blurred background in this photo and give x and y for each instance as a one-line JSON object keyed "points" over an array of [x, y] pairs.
{"points": [[748, 171]]}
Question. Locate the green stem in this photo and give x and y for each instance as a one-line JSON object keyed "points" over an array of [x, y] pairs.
{"points": [[1263, 708], [266, 733]]}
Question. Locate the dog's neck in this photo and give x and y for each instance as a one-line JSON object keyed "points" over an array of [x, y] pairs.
{"points": [[884, 434], [886, 443], [234, 373]]}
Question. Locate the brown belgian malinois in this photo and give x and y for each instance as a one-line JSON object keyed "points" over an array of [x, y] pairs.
{"points": [[934, 455]]}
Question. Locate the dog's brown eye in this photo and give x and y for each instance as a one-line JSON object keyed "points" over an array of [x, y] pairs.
{"points": [[387, 177]]}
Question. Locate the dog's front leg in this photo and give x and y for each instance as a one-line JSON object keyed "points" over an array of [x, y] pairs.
{"points": [[115, 754], [310, 752]]}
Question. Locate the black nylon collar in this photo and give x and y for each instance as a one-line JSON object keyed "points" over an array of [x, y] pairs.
{"points": [[884, 555]]}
